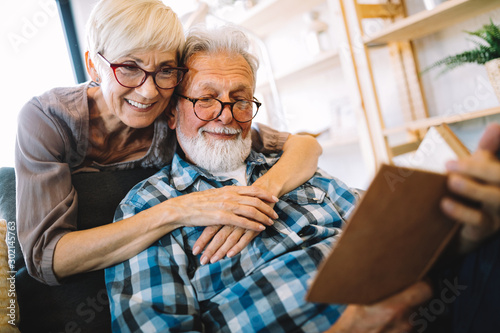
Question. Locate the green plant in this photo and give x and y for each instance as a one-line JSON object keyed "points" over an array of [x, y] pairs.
{"points": [[487, 48]]}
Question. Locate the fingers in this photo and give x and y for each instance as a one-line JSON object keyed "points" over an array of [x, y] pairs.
{"points": [[460, 212], [490, 140], [255, 191], [237, 240], [247, 237], [255, 197], [246, 201], [483, 165], [226, 218], [474, 190], [227, 241], [217, 241], [207, 234], [256, 211], [394, 312], [227, 206], [231, 240], [412, 296], [389, 315], [478, 224]]}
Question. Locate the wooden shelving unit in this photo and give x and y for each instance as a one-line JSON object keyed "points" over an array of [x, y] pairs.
{"points": [[267, 16], [427, 22], [434, 121], [398, 37]]}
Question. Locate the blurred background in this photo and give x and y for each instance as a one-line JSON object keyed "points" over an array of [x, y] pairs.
{"points": [[308, 79]]}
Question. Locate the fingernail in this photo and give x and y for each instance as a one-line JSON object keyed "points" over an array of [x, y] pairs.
{"points": [[457, 184], [447, 205], [262, 228], [276, 215], [271, 222], [452, 165], [196, 250], [214, 259], [230, 254], [203, 260], [275, 199]]}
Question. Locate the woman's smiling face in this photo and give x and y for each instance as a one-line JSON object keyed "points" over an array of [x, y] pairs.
{"points": [[137, 107]]}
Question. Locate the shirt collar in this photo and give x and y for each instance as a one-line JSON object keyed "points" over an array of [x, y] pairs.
{"points": [[184, 174]]}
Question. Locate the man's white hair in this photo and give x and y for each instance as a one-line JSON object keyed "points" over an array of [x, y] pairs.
{"points": [[226, 38]]}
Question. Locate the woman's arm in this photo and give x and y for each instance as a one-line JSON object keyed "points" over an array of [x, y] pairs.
{"points": [[45, 198], [47, 208], [297, 164], [97, 248]]}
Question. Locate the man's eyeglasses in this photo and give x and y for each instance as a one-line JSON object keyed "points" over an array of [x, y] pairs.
{"points": [[132, 76], [208, 109]]}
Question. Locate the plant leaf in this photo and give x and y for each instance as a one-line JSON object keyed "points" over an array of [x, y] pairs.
{"points": [[487, 48]]}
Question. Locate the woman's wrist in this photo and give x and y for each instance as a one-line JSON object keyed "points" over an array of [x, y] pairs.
{"points": [[270, 184], [167, 218]]}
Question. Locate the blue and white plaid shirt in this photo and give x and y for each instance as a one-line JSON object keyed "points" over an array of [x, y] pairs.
{"points": [[262, 289]]}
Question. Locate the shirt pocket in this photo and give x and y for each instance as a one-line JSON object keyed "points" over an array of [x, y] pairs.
{"points": [[304, 195], [298, 208]]}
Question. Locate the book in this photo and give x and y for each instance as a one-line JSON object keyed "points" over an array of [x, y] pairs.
{"points": [[438, 146], [395, 234]]}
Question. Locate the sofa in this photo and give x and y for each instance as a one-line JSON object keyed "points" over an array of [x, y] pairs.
{"points": [[80, 304]]}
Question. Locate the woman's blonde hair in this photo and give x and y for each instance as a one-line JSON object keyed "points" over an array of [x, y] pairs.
{"points": [[117, 28]]}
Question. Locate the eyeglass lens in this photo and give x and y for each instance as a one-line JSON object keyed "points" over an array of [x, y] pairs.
{"points": [[132, 76], [209, 109]]}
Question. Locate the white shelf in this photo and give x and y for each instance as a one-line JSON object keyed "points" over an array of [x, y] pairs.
{"points": [[270, 15], [434, 121], [322, 62], [340, 141], [430, 21]]}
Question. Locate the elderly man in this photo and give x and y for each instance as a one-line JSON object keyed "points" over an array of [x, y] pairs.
{"points": [[262, 288]]}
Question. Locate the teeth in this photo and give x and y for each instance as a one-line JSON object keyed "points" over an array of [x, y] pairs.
{"points": [[221, 130], [139, 105]]}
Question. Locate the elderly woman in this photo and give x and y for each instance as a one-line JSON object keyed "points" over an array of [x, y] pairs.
{"points": [[117, 122]]}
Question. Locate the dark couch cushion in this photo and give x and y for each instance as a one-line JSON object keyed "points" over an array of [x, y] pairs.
{"points": [[80, 304], [99, 193], [8, 204], [7, 194]]}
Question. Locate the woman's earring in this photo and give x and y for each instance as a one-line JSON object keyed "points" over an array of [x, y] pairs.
{"points": [[98, 79]]}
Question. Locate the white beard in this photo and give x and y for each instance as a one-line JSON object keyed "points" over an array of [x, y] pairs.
{"points": [[215, 155]]}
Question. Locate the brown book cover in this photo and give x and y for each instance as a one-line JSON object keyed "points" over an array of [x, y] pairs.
{"points": [[393, 238]]}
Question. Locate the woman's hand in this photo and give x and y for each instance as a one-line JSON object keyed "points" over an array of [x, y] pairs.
{"points": [[476, 178], [240, 206]]}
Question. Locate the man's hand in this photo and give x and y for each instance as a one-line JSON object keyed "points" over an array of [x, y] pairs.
{"points": [[226, 240], [388, 316], [233, 216], [476, 178]]}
